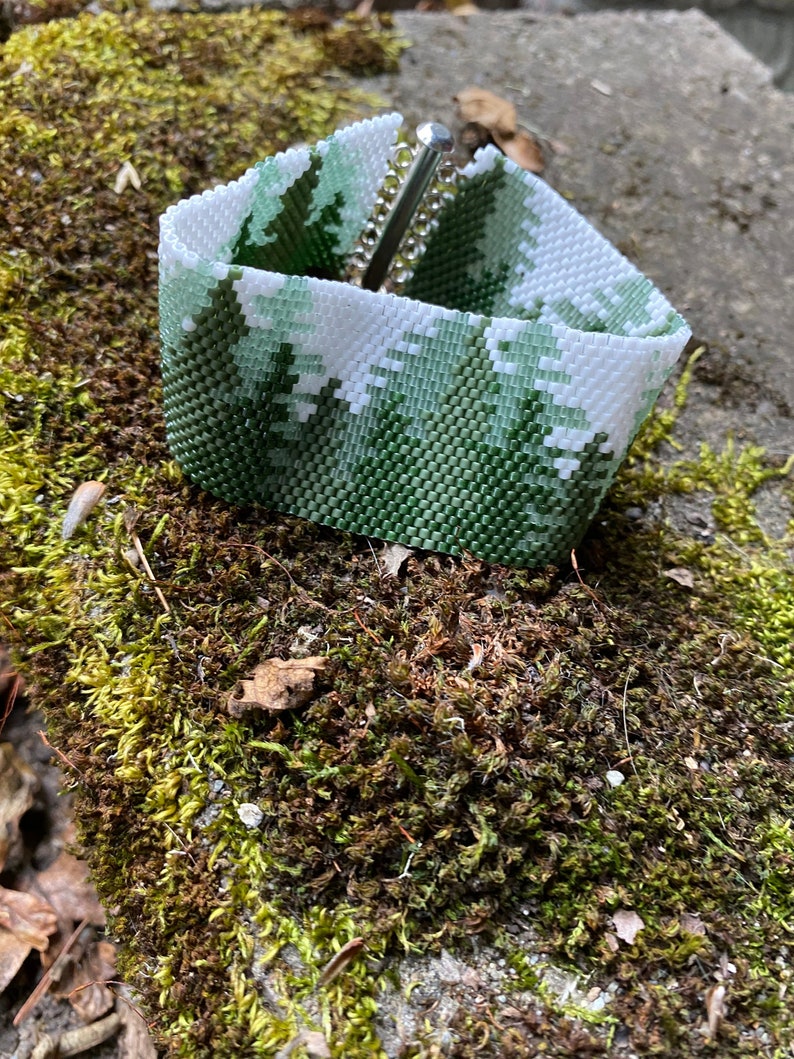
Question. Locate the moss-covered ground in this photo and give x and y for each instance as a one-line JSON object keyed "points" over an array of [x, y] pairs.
{"points": [[451, 767]]}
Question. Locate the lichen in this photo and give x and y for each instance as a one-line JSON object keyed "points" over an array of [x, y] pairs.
{"points": [[451, 767]]}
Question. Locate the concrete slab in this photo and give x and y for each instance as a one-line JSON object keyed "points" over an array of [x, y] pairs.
{"points": [[676, 145]]}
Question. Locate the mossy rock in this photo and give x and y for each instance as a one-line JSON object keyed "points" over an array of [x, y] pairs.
{"points": [[448, 777]]}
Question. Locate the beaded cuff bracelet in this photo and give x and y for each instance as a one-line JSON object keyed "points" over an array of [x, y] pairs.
{"points": [[486, 408]]}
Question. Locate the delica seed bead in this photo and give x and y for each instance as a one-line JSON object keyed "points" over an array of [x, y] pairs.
{"points": [[487, 408]]}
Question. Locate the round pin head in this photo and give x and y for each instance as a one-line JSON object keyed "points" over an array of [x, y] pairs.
{"points": [[435, 136]]}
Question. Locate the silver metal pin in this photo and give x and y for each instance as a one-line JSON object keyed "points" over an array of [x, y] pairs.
{"points": [[436, 140]]}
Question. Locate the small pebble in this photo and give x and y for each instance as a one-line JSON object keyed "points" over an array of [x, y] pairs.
{"points": [[615, 778], [250, 814]]}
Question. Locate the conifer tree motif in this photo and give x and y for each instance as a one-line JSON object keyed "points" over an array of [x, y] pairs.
{"points": [[442, 472], [527, 511], [486, 411], [239, 420], [470, 263], [626, 308], [300, 239], [310, 474]]}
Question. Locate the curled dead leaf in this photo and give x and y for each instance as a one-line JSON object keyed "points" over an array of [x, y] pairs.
{"points": [[29, 918], [84, 499], [627, 925], [84, 982], [485, 112], [393, 557], [681, 576], [67, 887], [337, 963], [277, 684], [715, 1008], [523, 149], [473, 136], [13, 953], [691, 924], [18, 784], [486, 108]]}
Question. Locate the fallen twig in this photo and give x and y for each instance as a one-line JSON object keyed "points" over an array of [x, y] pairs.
{"points": [[369, 632], [301, 591], [70, 764], [339, 961], [73, 1042], [587, 588], [49, 975], [10, 698], [625, 722], [130, 518]]}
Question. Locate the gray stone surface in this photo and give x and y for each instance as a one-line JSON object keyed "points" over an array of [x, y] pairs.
{"points": [[672, 140], [764, 27]]}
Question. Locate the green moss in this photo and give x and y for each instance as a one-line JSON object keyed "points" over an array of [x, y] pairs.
{"points": [[420, 797]]}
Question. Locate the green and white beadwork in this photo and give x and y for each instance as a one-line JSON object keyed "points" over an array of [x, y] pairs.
{"points": [[487, 409]]}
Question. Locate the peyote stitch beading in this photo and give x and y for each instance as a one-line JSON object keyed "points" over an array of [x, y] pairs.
{"points": [[487, 408]]}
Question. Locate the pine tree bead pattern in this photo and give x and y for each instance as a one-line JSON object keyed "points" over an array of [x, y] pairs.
{"points": [[486, 408]]}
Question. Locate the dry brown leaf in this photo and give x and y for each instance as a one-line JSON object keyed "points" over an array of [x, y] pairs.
{"points": [[277, 684], [135, 1042], [27, 917], [67, 887], [612, 942], [18, 784], [59, 959], [84, 982], [11, 686], [337, 963], [627, 925], [473, 136], [523, 149], [393, 557], [13, 952], [312, 1040], [681, 576], [84, 499], [715, 1008], [54, 968], [486, 108], [691, 924]]}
